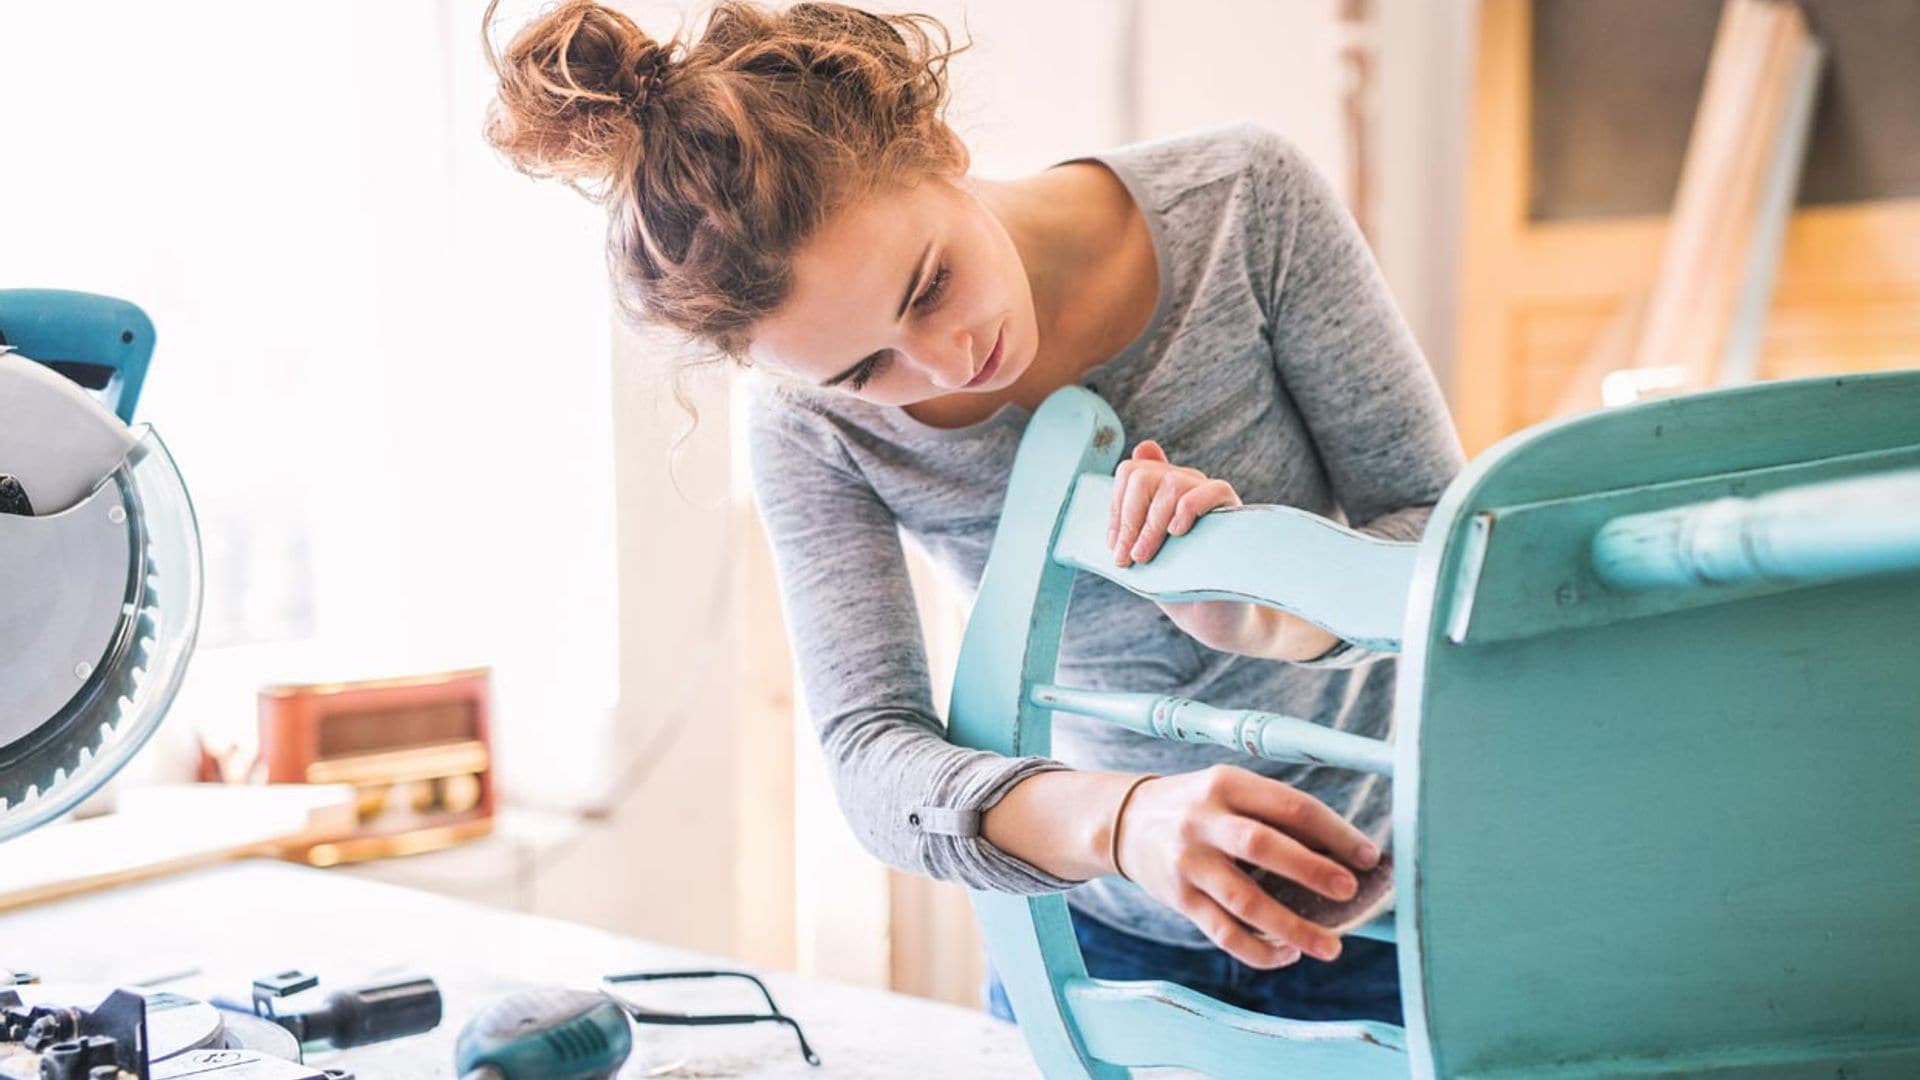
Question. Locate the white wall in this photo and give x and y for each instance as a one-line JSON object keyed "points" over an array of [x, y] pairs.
{"points": [[1425, 50], [380, 358], [1209, 62]]}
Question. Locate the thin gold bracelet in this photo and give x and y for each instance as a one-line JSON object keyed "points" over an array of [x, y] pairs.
{"points": [[1114, 833]]}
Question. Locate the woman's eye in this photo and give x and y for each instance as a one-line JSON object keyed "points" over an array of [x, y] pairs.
{"points": [[874, 365], [928, 299], [930, 296]]}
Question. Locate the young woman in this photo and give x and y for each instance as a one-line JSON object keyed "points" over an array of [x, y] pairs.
{"points": [[784, 190]]}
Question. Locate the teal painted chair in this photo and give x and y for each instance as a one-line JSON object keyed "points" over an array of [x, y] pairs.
{"points": [[1657, 752]]}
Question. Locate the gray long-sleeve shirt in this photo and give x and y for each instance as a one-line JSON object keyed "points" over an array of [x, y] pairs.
{"points": [[1275, 360]]}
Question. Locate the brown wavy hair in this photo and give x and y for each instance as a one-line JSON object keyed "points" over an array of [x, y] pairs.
{"points": [[718, 156]]}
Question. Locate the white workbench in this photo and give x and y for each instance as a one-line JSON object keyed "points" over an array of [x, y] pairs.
{"points": [[236, 922]]}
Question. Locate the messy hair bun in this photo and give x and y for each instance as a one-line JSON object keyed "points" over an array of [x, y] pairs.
{"points": [[717, 157], [573, 90]]}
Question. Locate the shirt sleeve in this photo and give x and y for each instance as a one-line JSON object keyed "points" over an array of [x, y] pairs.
{"points": [[1351, 365], [913, 799]]}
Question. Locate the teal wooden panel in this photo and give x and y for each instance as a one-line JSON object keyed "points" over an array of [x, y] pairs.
{"points": [[1863, 1062], [1537, 570], [1683, 843], [1349, 583]]}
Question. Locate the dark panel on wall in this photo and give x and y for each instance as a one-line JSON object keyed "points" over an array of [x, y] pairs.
{"points": [[1615, 84]]}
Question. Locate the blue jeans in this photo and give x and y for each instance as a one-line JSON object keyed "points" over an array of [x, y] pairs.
{"points": [[1363, 984]]}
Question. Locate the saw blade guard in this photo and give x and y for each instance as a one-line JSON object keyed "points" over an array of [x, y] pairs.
{"points": [[122, 693]]}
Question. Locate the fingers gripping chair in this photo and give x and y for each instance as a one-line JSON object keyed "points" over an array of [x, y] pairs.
{"points": [[1657, 750]]}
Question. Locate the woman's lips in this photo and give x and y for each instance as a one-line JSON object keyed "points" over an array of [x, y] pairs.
{"points": [[993, 361]]}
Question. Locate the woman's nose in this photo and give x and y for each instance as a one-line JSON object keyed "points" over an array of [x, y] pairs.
{"points": [[947, 359]]}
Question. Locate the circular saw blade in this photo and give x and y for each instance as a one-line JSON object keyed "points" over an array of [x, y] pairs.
{"points": [[99, 611], [69, 581], [91, 671]]}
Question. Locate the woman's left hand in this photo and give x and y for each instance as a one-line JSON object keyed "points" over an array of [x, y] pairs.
{"points": [[1154, 499]]}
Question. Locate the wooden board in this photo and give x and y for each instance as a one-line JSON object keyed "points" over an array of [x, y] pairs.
{"points": [[166, 829], [1535, 296]]}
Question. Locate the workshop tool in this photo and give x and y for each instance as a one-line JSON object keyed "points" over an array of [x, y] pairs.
{"points": [[1653, 756], [352, 1017], [546, 1034], [142, 1034], [99, 553], [100, 593]]}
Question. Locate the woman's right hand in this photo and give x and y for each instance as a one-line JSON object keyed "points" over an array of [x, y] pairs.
{"points": [[1182, 838]]}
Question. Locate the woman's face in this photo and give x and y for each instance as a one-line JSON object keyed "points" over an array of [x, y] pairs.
{"points": [[908, 294]]}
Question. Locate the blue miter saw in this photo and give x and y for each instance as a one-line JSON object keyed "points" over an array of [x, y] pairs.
{"points": [[99, 605], [99, 553]]}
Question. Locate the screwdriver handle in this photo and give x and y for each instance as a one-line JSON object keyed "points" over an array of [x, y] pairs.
{"points": [[375, 1013]]}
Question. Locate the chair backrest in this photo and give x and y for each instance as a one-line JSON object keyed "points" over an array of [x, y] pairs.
{"points": [[1051, 528], [1655, 800]]}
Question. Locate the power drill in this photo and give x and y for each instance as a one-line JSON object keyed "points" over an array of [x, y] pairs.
{"points": [[545, 1034]]}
